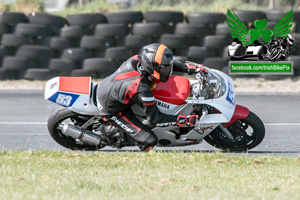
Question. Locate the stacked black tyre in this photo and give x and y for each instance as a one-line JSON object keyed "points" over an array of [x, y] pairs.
{"points": [[39, 46], [23, 40]]}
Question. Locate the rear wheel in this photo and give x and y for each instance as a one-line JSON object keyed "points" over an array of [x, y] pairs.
{"points": [[64, 115], [248, 133]]}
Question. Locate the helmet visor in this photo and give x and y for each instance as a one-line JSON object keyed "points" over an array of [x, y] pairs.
{"points": [[165, 72]]}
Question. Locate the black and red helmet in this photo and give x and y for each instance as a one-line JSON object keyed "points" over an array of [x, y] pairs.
{"points": [[157, 60]]}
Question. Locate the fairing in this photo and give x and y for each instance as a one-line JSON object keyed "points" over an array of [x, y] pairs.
{"points": [[240, 112], [175, 91], [72, 92]]}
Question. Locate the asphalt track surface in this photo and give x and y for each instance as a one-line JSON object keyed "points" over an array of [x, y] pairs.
{"points": [[24, 114]]}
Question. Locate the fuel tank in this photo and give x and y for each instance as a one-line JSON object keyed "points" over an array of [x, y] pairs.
{"points": [[171, 95]]}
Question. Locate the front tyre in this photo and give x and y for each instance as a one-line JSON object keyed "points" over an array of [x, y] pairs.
{"points": [[248, 133], [64, 115]]}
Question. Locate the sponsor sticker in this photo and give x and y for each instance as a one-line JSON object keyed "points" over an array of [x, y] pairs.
{"points": [[203, 129]]}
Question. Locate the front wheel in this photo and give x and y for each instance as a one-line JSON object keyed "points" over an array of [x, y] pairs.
{"points": [[64, 115], [248, 133]]}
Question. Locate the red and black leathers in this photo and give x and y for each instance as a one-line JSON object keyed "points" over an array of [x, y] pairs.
{"points": [[125, 87]]}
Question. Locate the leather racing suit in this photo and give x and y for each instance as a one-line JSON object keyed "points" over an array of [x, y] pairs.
{"points": [[127, 86]]}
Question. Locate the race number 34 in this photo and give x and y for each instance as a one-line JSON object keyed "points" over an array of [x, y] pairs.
{"points": [[64, 100]]}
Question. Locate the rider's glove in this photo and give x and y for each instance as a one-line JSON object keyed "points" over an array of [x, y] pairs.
{"points": [[183, 120], [195, 68]]}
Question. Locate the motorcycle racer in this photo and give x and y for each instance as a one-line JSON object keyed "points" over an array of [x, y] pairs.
{"points": [[131, 84]]}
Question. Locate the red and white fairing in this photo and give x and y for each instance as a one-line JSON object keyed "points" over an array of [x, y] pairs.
{"points": [[72, 92], [172, 98]]}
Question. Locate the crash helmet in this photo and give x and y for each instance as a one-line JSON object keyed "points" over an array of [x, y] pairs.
{"points": [[290, 39], [157, 61]]}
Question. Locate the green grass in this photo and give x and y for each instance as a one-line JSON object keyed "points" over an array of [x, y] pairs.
{"points": [[154, 175]]}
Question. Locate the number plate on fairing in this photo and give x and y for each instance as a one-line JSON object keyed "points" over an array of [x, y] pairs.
{"points": [[64, 99], [69, 91], [231, 94]]}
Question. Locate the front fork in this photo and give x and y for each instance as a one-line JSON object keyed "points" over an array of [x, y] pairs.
{"points": [[204, 113], [226, 132]]}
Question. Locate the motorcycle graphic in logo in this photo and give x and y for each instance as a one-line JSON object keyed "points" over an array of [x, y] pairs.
{"points": [[260, 42]]}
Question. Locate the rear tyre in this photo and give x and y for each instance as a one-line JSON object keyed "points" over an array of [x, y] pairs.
{"points": [[248, 133], [60, 115]]}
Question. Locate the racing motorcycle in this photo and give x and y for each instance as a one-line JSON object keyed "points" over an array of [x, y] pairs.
{"points": [[77, 125], [279, 48]]}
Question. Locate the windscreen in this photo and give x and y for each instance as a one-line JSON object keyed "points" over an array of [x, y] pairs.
{"points": [[215, 86]]}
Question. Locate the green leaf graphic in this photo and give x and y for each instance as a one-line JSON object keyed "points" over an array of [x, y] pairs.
{"points": [[237, 28], [260, 34], [254, 34], [260, 24], [267, 35], [283, 27]]}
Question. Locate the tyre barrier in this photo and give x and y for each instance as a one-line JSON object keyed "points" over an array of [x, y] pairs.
{"points": [[40, 45], [12, 40], [198, 54], [100, 67], [62, 67], [17, 65], [152, 31], [124, 17]]}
